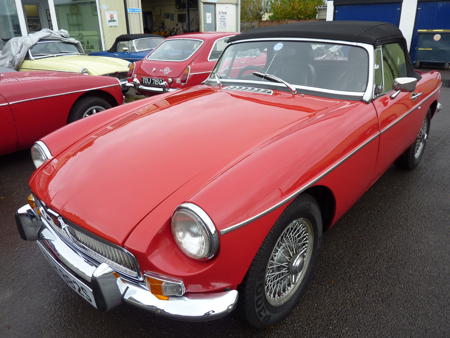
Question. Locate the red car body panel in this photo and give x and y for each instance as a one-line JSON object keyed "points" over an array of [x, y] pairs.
{"points": [[33, 104], [205, 153], [199, 63]]}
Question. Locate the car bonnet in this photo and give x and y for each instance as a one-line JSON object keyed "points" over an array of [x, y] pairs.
{"points": [[111, 179]]}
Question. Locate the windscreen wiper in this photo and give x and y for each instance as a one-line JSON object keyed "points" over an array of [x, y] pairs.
{"points": [[274, 78]]}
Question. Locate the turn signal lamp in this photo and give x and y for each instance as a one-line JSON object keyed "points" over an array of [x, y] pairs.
{"points": [[32, 203], [130, 70], [164, 287]]}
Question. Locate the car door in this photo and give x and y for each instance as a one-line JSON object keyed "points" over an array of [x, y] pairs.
{"points": [[8, 132], [400, 116]]}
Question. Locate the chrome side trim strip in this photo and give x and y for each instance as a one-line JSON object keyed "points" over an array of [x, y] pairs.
{"points": [[393, 123], [61, 94], [326, 172], [3, 104], [302, 188]]}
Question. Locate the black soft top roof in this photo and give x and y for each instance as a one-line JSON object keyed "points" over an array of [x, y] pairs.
{"points": [[128, 37], [370, 32]]}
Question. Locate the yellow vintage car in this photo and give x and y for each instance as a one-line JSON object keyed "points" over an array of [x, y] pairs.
{"points": [[62, 56]]}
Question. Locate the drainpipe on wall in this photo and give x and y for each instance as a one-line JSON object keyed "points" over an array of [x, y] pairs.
{"points": [[126, 16]]}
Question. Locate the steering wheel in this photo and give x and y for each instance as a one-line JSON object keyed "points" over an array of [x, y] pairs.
{"points": [[248, 69]]}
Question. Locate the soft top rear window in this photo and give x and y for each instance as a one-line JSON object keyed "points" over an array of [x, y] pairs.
{"points": [[175, 50]]}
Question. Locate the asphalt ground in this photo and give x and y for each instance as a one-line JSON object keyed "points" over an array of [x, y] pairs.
{"points": [[383, 270]]}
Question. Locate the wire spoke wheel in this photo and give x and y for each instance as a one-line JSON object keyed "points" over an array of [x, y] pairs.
{"points": [[289, 261], [421, 139]]}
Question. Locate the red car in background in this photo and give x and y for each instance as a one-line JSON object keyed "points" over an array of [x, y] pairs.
{"points": [[178, 62], [33, 104]]}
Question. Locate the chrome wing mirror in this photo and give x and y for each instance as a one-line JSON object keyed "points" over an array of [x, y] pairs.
{"points": [[404, 84]]}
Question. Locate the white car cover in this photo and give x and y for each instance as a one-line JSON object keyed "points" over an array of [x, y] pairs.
{"points": [[15, 50]]}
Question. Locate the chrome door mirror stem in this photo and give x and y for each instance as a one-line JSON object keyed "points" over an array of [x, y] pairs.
{"points": [[403, 84]]}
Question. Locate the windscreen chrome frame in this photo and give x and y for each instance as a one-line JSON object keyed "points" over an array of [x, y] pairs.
{"points": [[366, 96]]}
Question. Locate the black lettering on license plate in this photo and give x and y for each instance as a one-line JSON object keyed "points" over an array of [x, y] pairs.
{"points": [[148, 81]]}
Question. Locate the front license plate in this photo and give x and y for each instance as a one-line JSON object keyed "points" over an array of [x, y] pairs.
{"points": [[149, 81], [74, 283]]}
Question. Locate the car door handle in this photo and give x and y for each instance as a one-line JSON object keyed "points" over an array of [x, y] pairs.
{"points": [[415, 95]]}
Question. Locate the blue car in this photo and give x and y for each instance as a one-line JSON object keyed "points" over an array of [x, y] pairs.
{"points": [[132, 47]]}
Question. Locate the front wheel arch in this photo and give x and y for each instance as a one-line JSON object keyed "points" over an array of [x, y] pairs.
{"points": [[327, 203], [95, 93], [253, 303]]}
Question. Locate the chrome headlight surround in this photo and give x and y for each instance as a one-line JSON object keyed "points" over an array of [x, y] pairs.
{"points": [[195, 232], [40, 154]]}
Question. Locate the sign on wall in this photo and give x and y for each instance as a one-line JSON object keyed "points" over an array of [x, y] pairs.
{"points": [[226, 18], [112, 18]]}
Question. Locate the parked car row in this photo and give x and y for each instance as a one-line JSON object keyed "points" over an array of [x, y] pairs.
{"points": [[54, 90], [198, 200]]}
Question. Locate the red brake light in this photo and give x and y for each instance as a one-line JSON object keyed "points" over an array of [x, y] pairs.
{"points": [[185, 76]]}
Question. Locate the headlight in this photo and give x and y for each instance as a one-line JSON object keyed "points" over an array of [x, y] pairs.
{"points": [[194, 232], [40, 153]]}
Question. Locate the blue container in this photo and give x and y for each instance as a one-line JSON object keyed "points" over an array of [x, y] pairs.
{"points": [[432, 17], [387, 12]]}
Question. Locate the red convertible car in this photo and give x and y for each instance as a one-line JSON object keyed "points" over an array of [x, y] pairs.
{"points": [[180, 61], [218, 194], [33, 104]]}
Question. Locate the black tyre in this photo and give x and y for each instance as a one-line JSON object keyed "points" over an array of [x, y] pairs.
{"points": [[88, 106], [413, 155], [283, 265]]}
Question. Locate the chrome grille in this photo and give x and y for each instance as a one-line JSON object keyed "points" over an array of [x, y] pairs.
{"points": [[116, 257], [120, 260]]}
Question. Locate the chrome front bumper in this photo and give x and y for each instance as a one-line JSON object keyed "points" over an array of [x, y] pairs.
{"points": [[108, 288], [136, 84]]}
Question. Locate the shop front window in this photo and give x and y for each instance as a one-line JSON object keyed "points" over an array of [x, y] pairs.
{"points": [[9, 21], [80, 19]]}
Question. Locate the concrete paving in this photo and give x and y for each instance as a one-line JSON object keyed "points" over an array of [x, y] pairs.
{"points": [[383, 271]]}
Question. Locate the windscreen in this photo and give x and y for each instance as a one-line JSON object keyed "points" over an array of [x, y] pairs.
{"points": [[53, 48], [175, 50], [146, 43], [325, 66]]}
